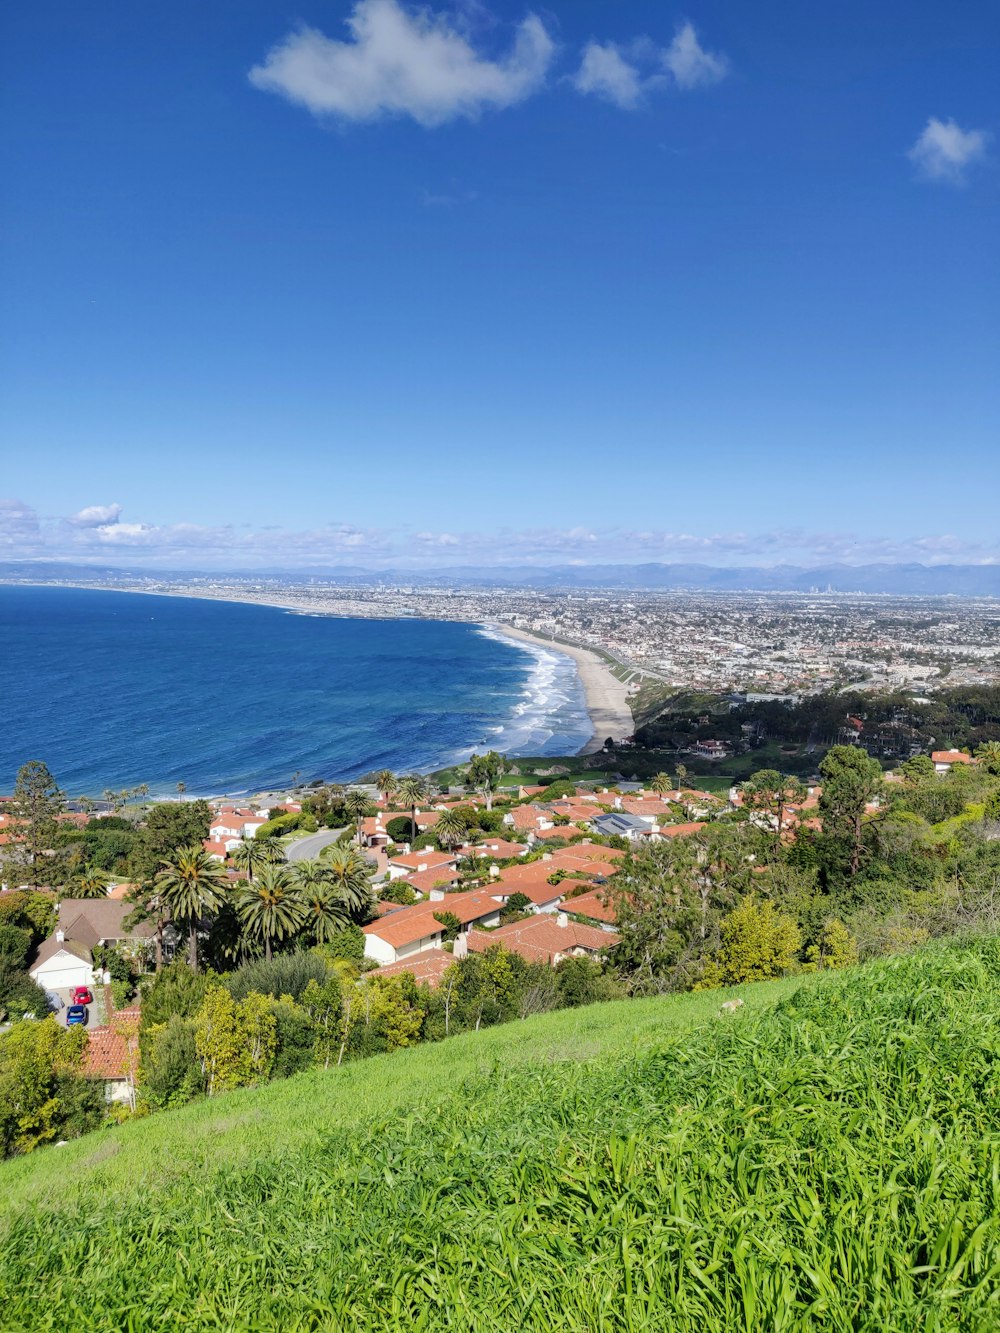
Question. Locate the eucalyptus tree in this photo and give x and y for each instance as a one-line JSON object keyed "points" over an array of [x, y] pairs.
{"points": [[270, 907], [412, 791], [350, 876], [485, 772], [190, 885]]}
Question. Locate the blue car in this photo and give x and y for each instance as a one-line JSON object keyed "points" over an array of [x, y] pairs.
{"points": [[76, 1013]]}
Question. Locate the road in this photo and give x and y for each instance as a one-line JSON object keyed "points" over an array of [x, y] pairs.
{"points": [[305, 849]]}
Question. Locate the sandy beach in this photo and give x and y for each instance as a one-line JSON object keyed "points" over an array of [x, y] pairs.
{"points": [[607, 697]]}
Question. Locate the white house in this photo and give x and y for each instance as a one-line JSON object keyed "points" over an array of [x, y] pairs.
{"points": [[62, 964]]}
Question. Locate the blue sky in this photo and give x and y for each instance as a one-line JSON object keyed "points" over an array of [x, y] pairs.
{"points": [[367, 283]]}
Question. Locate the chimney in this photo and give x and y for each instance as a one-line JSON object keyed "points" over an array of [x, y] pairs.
{"points": [[461, 947], [60, 936], [562, 919], [494, 871], [546, 856]]}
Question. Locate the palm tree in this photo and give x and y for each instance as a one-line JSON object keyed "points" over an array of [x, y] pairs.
{"points": [[411, 791], [358, 806], [92, 884], [326, 912], [350, 876], [451, 828], [253, 854], [385, 781], [681, 776], [189, 886], [181, 788], [271, 907], [661, 784]]}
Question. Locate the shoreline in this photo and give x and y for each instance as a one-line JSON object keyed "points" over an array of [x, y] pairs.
{"points": [[607, 697]]}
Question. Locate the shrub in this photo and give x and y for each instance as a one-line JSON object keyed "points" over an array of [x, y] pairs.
{"points": [[285, 974], [399, 829], [15, 944]]}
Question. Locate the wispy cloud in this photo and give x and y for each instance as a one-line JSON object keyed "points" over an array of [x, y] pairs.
{"points": [[624, 75], [690, 64], [185, 545], [944, 152], [606, 73], [403, 62]]}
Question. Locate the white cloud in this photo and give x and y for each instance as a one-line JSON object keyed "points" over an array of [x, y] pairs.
{"points": [[606, 73], [403, 62], [944, 151], [624, 78], [185, 545], [95, 516], [690, 64]]}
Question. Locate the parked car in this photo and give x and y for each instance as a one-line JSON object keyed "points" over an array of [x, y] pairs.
{"points": [[82, 995], [76, 1014]]}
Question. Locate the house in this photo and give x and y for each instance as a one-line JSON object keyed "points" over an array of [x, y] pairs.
{"points": [[545, 939], [617, 824], [710, 749], [499, 849], [65, 958], [528, 818], [415, 863], [414, 930], [944, 760], [112, 1053], [61, 964], [428, 967], [235, 823], [595, 906], [433, 883]]}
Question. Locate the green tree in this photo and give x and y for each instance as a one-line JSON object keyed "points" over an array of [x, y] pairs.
{"points": [[170, 1072], [169, 826], [33, 1058], [358, 808], [450, 923], [324, 1003], [93, 884], [385, 782], [662, 784], [350, 875], [850, 780], [759, 943], [835, 948], [15, 945], [485, 772], [771, 793], [270, 909], [33, 809], [988, 755], [235, 1041], [918, 769], [191, 885], [251, 855], [326, 912], [412, 791], [452, 828]]}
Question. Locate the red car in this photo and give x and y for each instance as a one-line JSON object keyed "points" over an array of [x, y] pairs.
{"points": [[81, 995]]}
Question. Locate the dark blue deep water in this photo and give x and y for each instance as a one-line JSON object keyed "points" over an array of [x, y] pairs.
{"points": [[116, 689]]}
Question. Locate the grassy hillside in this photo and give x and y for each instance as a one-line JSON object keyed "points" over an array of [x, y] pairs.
{"points": [[828, 1158]]}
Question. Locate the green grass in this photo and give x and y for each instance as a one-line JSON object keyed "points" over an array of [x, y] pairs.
{"points": [[826, 1159]]}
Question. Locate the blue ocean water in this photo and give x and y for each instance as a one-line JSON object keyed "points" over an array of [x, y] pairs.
{"points": [[115, 689]]}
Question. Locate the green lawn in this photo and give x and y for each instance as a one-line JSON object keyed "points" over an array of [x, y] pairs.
{"points": [[827, 1158]]}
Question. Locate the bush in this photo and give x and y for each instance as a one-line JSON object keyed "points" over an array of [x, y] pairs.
{"points": [[399, 829], [121, 993], [285, 974], [15, 944], [171, 1072], [19, 994], [348, 946]]}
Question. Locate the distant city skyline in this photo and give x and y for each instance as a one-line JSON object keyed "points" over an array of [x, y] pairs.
{"points": [[376, 284]]}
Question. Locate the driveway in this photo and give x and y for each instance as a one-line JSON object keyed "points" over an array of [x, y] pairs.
{"points": [[309, 847]]}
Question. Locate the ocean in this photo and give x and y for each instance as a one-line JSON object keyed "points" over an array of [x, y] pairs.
{"points": [[116, 689]]}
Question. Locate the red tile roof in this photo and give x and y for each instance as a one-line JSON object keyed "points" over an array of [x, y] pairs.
{"points": [[429, 966], [542, 938]]}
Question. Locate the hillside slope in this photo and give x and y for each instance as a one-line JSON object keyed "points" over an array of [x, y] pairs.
{"points": [[827, 1159]]}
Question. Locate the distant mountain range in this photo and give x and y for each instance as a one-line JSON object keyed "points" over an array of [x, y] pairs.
{"points": [[901, 580]]}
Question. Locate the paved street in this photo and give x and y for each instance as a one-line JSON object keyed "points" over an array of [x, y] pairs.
{"points": [[309, 847]]}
